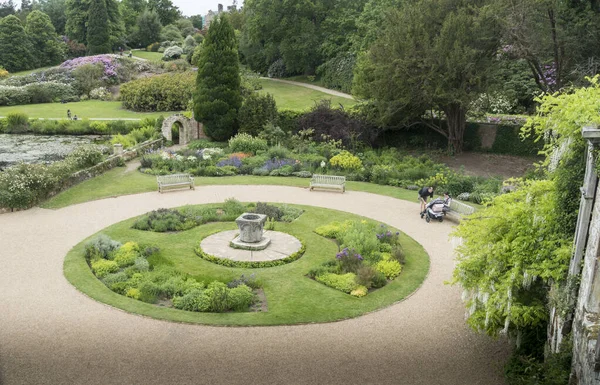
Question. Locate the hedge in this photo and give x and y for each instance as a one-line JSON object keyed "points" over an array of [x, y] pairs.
{"points": [[168, 92], [80, 127], [507, 141], [251, 265]]}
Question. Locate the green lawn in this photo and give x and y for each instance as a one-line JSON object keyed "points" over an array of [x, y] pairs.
{"points": [[298, 98], [83, 110], [119, 182], [305, 79], [153, 56], [27, 72], [292, 297]]}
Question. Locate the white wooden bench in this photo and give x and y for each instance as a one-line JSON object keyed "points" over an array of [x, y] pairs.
{"points": [[174, 180], [458, 209], [328, 182]]}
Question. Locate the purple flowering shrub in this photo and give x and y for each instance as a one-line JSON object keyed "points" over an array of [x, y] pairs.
{"points": [[233, 161], [274, 164], [114, 69], [350, 261], [387, 236]]}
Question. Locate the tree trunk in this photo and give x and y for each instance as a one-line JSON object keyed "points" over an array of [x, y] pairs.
{"points": [[456, 115]]}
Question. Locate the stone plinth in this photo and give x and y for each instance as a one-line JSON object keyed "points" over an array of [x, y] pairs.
{"points": [[282, 246], [251, 228]]}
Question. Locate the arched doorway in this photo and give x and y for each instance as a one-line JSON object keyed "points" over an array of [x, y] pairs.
{"points": [[181, 130]]}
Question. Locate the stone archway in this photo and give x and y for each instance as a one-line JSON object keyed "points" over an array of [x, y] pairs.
{"points": [[190, 128]]}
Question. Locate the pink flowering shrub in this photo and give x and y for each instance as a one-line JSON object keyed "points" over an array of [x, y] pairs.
{"points": [[111, 65]]}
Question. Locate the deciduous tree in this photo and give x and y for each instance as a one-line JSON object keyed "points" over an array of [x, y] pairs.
{"points": [[433, 55]]}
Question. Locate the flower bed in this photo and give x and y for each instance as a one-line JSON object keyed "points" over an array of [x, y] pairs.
{"points": [[125, 269], [370, 257]]}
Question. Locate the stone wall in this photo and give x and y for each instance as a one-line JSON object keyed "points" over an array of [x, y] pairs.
{"points": [[587, 312], [190, 129]]}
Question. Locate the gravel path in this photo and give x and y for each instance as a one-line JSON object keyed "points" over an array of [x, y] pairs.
{"points": [[312, 86], [52, 334]]}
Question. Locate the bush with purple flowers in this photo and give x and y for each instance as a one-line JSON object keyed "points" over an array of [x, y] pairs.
{"points": [[384, 235], [350, 261], [233, 161]]}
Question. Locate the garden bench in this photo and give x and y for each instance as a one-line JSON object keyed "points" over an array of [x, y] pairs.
{"points": [[457, 209], [174, 180], [328, 182]]}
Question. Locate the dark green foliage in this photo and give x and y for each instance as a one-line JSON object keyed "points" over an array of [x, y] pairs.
{"points": [[171, 33], [163, 220], [97, 29], [16, 50], [56, 10], [218, 95], [337, 124], [433, 54], [250, 265], [508, 141], [528, 366], [78, 14], [337, 73], [287, 120], [167, 92], [272, 212], [569, 178], [167, 11], [257, 111], [148, 28], [48, 49]]}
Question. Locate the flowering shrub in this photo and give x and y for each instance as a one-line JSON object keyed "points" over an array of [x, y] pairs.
{"points": [[349, 260], [109, 63], [172, 53], [129, 274], [232, 161], [3, 73], [386, 236], [247, 143], [167, 92], [100, 93], [346, 161]]}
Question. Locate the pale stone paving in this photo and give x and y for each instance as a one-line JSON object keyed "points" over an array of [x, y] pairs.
{"points": [[52, 334], [282, 245]]}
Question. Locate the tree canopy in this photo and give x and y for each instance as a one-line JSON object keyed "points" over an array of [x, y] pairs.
{"points": [[433, 57], [16, 50]]}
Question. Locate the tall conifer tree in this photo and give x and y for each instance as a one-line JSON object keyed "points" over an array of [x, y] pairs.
{"points": [[218, 93], [98, 33]]}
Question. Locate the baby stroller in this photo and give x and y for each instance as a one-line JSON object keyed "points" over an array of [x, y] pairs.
{"points": [[436, 209]]}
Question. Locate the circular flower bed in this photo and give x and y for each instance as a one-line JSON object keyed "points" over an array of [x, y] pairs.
{"points": [[159, 274]]}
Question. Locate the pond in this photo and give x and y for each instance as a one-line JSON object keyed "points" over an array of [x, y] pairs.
{"points": [[15, 148]]}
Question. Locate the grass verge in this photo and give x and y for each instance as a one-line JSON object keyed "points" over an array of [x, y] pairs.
{"points": [[88, 109], [298, 98], [292, 298], [119, 181]]}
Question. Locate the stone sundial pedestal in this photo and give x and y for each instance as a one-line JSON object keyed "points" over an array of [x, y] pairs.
{"points": [[251, 232]]}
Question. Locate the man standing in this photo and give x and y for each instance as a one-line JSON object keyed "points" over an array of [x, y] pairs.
{"points": [[423, 194]]}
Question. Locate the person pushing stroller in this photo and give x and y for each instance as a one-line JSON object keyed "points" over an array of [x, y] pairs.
{"points": [[424, 193], [437, 208]]}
